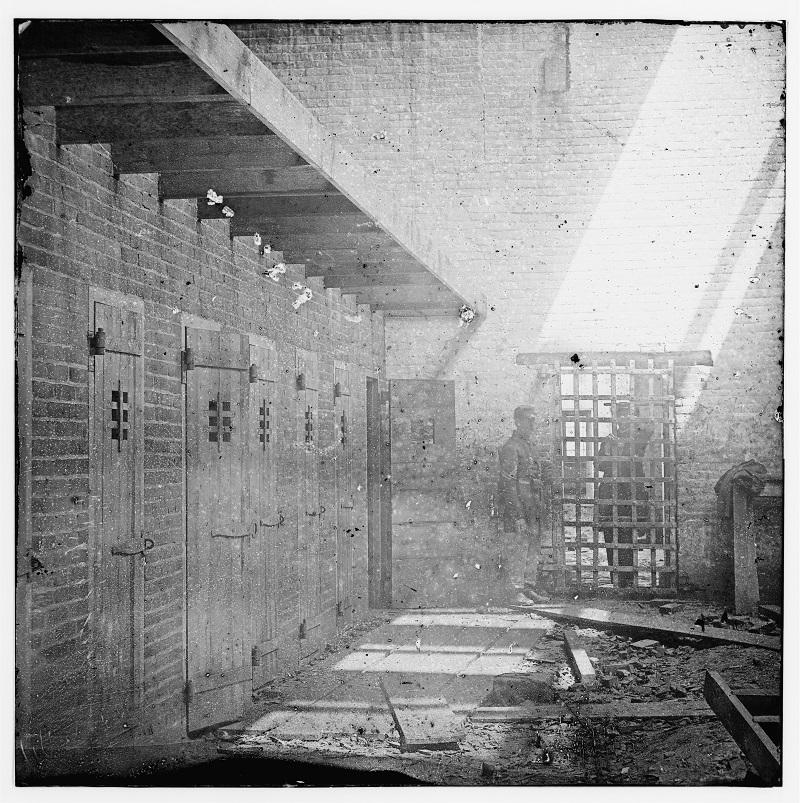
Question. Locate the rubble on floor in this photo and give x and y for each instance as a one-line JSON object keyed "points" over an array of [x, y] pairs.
{"points": [[658, 730]]}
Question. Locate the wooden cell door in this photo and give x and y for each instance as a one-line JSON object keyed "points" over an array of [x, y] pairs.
{"points": [[309, 508], [263, 448], [220, 531], [379, 494], [345, 501], [117, 475]]}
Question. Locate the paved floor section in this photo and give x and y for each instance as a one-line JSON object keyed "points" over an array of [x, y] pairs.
{"points": [[422, 658]]}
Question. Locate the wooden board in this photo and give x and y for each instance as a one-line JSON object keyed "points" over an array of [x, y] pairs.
{"points": [[310, 512], [579, 660], [263, 445], [344, 487], [610, 620], [117, 465], [760, 750], [220, 529], [667, 709], [89, 124], [432, 726]]}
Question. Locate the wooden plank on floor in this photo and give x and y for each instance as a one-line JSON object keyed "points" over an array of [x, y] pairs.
{"points": [[666, 709], [432, 727], [579, 660], [748, 734], [612, 620], [774, 612]]}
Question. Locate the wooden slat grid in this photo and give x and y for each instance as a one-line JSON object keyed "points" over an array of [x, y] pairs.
{"points": [[635, 517]]}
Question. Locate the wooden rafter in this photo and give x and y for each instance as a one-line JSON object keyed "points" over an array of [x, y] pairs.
{"points": [[245, 183], [218, 51], [109, 123], [203, 154]]}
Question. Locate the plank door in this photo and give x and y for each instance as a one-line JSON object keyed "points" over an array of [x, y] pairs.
{"points": [[344, 464], [117, 475], [263, 446], [309, 509], [379, 495], [220, 531]]}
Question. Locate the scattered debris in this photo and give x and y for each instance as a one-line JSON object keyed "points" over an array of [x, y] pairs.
{"points": [[515, 688], [227, 211], [213, 198], [257, 239], [379, 135]]}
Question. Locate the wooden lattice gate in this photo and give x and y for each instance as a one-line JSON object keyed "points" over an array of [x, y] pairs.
{"points": [[615, 500]]}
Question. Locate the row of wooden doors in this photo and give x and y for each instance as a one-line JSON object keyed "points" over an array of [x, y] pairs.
{"points": [[248, 428], [252, 476]]}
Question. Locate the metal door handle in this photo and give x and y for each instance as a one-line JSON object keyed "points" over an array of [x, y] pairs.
{"points": [[133, 547], [348, 507], [278, 523], [231, 535]]}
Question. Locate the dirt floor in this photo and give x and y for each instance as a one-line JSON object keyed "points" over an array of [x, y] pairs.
{"points": [[299, 734], [573, 749]]}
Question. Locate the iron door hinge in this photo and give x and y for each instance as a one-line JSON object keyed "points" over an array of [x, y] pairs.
{"points": [[187, 362], [98, 342]]}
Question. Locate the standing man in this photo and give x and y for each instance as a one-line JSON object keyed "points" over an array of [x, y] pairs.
{"points": [[521, 491]]}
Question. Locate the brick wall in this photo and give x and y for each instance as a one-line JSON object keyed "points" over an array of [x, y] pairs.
{"points": [[639, 208], [81, 227]]}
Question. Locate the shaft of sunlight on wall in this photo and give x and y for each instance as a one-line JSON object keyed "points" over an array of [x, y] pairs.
{"points": [[674, 200]]}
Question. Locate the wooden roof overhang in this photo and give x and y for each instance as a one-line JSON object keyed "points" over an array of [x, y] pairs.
{"points": [[191, 102]]}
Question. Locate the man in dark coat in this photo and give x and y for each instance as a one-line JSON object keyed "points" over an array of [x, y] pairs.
{"points": [[521, 490]]}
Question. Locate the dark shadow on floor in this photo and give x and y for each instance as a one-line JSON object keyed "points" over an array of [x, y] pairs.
{"points": [[237, 772]]}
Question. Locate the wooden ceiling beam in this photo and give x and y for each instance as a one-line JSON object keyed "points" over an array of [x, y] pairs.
{"points": [[241, 183], [163, 78], [276, 225], [91, 38], [269, 206], [409, 268], [355, 283], [208, 153], [427, 296], [323, 240], [417, 311], [132, 121]]}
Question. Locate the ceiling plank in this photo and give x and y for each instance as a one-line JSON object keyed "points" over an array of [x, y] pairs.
{"points": [[82, 38], [377, 240], [276, 224], [241, 183], [423, 296], [88, 124], [356, 283], [417, 311], [170, 78], [287, 207], [209, 153]]}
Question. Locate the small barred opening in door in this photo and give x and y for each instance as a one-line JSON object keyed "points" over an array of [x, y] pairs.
{"points": [[617, 506]]}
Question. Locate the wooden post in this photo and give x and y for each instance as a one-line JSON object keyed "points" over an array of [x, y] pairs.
{"points": [[744, 554]]}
